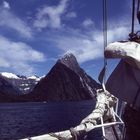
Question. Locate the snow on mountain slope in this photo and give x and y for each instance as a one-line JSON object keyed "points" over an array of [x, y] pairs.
{"points": [[22, 83], [9, 75], [34, 78]]}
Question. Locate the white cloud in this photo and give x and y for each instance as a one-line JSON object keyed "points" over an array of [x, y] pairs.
{"points": [[82, 48], [89, 45], [71, 15], [6, 5], [50, 16], [88, 23], [118, 33], [18, 56], [10, 20]]}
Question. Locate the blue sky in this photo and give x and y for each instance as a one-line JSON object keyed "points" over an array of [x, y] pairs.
{"points": [[35, 33]]}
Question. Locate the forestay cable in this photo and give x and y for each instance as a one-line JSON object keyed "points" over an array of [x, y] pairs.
{"points": [[102, 75]]}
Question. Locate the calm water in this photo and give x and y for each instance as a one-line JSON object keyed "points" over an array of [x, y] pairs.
{"points": [[20, 120]]}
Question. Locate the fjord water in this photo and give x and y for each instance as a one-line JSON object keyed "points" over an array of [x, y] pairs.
{"points": [[21, 120]]}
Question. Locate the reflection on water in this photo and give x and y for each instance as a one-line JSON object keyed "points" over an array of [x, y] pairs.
{"points": [[20, 120]]}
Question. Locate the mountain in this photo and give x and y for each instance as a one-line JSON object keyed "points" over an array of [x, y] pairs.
{"points": [[8, 93], [23, 84], [65, 81], [6, 87]]}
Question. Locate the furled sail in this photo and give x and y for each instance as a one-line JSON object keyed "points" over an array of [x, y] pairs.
{"points": [[129, 51], [124, 81]]}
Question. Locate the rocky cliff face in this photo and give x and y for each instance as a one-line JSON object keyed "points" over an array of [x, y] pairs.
{"points": [[65, 81], [88, 83]]}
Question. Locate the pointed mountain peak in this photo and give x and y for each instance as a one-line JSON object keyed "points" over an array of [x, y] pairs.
{"points": [[66, 81], [68, 55], [70, 61]]}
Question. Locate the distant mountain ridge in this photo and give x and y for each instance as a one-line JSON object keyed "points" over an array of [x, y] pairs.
{"points": [[23, 84]]}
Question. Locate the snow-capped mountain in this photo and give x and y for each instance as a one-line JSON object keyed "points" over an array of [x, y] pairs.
{"points": [[22, 83]]}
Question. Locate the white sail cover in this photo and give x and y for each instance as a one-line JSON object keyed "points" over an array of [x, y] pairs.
{"points": [[124, 83], [130, 51]]}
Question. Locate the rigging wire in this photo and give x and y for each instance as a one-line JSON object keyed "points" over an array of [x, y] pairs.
{"points": [[138, 6], [133, 17], [104, 38], [102, 75], [138, 11], [135, 36]]}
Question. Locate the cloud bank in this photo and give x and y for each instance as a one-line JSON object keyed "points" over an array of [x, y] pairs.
{"points": [[88, 45], [18, 56]]}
